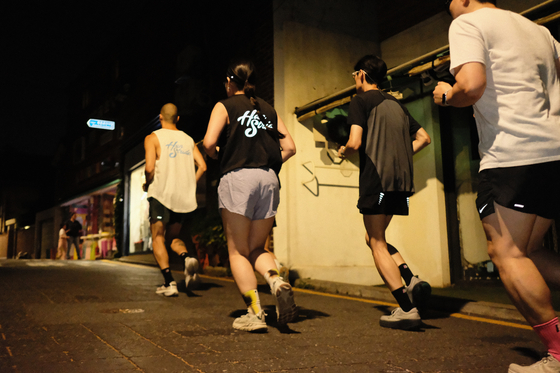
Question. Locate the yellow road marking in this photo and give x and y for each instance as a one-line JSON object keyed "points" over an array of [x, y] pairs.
{"points": [[371, 301]]}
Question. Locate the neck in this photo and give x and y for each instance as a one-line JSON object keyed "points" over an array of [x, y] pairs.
{"points": [[168, 126], [369, 87]]}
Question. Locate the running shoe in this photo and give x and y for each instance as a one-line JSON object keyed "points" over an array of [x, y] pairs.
{"points": [[192, 279], [168, 291], [547, 365], [419, 292], [251, 322], [398, 319], [286, 309]]}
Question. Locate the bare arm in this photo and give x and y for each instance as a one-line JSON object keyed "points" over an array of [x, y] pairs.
{"points": [[470, 86], [421, 140], [151, 153], [200, 164], [354, 142], [218, 120], [287, 143]]}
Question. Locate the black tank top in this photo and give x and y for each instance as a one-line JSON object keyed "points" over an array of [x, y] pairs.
{"points": [[251, 139]]}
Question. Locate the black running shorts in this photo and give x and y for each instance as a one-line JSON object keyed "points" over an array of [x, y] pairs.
{"points": [[159, 212], [532, 189], [387, 203]]}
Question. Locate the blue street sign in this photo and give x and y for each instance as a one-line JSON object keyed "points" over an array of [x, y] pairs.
{"points": [[101, 124]]}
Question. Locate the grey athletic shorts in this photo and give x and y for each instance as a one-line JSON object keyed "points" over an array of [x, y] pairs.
{"points": [[251, 192]]}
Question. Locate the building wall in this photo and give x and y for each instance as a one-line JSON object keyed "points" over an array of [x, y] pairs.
{"points": [[319, 236]]}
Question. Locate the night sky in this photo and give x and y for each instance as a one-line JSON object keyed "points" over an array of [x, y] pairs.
{"points": [[48, 47]]}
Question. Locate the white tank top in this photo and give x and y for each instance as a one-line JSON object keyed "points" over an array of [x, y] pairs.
{"points": [[174, 184]]}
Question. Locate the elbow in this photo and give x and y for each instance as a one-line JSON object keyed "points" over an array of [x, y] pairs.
{"points": [[427, 141], [202, 168]]}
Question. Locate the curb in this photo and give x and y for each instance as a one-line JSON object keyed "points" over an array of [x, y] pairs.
{"points": [[437, 302]]}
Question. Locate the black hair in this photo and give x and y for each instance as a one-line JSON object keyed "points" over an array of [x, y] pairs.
{"points": [[374, 67], [488, 1], [242, 74]]}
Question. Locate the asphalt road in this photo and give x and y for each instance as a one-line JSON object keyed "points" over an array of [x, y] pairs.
{"points": [[82, 316]]}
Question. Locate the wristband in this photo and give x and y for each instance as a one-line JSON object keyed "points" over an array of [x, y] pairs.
{"points": [[444, 98]]}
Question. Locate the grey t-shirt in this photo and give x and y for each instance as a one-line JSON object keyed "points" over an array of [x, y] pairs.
{"points": [[386, 150]]}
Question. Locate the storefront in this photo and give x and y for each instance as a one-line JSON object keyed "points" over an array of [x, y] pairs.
{"points": [[95, 212]]}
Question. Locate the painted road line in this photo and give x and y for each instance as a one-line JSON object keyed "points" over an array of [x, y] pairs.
{"points": [[370, 301]]}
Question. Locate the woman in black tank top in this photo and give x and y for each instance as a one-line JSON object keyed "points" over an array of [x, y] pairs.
{"points": [[251, 142]]}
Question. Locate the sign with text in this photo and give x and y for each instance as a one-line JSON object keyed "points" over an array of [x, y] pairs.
{"points": [[101, 124]]}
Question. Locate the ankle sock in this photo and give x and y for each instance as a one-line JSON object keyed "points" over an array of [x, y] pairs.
{"points": [[252, 301], [271, 276], [406, 274], [168, 278], [402, 299], [549, 333]]}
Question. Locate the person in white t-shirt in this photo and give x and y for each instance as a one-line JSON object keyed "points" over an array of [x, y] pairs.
{"points": [[62, 243], [171, 177], [507, 67]]}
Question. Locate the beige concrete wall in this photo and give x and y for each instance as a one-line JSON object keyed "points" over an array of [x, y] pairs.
{"points": [[432, 34], [322, 237]]}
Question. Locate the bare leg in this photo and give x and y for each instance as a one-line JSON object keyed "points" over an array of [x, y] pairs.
{"points": [[246, 241], [509, 235], [375, 236], [158, 243], [172, 232]]}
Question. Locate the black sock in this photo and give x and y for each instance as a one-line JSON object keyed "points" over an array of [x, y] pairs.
{"points": [[406, 274], [183, 255], [402, 299], [168, 278]]}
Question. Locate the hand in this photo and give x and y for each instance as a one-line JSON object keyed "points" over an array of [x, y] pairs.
{"points": [[440, 89], [341, 154], [145, 187]]}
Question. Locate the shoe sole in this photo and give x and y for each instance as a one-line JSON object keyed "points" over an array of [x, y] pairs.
{"points": [[251, 327], [191, 281], [401, 324], [173, 294], [421, 294], [286, 309]]}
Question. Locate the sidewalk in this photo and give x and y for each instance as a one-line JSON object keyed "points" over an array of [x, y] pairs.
{"points": [[488, 301]]}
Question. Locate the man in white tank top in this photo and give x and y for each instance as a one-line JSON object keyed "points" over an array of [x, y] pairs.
{"points": [[171, 177]]}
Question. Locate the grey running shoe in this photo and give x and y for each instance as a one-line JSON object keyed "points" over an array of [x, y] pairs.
{"points": [[286, 309], [251, 322], [168, 291], [419, 292], [192, 279], [547, 365], [398, 319]]}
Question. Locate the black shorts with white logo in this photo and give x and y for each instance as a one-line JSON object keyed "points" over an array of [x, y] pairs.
{"points": [[532, 189], [386, 203], [159, 212]]}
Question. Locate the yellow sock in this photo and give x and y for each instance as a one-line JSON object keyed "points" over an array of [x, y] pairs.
{"points": [[252, 300]]}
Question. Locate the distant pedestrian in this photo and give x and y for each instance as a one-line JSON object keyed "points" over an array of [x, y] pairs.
{"points": [[171, 177], [253, 143], [62, 242], [386, 136], [508, 68], [74, 231]]}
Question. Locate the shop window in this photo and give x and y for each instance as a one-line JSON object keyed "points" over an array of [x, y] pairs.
{"points": [[140, 239]]}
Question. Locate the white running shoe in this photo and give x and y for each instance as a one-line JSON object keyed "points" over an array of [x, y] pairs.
{"points": [[168, 291], [251, 322], [547, 365], [192, 279], [286, 309], [398, 319]]}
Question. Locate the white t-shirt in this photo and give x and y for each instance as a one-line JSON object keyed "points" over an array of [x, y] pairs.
{"points": [[518, 116], [62, 234], [174, 184]]}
